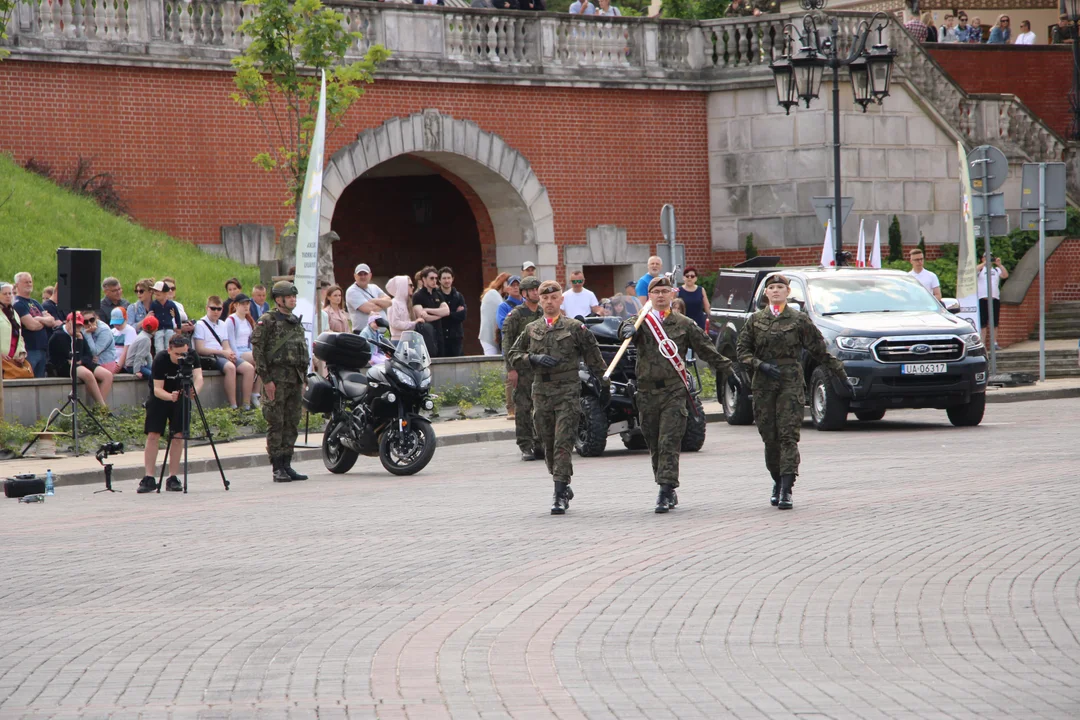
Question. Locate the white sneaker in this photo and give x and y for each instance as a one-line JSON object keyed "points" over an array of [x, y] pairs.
{"points": [[256, 401]]}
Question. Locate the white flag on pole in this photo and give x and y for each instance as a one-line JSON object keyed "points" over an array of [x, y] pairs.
{"points": [[860, 257], [828, 257], [875, 254], [307, 230]]}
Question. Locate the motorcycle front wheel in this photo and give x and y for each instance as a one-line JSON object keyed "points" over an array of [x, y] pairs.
{"points": [[336, 457], [411, 450]]}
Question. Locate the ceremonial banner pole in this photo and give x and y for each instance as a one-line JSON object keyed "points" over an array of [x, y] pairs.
{"points": [[307, 234], [966, 292], [626, 343]]}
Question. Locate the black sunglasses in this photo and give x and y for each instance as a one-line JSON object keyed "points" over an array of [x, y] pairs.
{"points": [[213, 307]]}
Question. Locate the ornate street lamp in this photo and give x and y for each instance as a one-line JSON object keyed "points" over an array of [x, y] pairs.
{"points": [[799, 78], [1072, 9]]}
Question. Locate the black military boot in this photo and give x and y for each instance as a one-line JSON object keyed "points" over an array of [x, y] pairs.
{"points": [[561, 501], [538, 452], [528, 455], [286, 462], [280, 474], [775, 498], [786, 481], [665, 498]]}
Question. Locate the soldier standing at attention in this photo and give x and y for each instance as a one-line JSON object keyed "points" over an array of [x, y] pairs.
{"points": [[281, 359], [770, 344], [663, 384], [551, 348], [522, 380]]}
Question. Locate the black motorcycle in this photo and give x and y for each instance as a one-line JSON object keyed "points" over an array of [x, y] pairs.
{"points": [[373, 410], [604, 414]]}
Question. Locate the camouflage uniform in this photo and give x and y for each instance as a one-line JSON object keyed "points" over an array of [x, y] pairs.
{"points": [[281, 357], [747, 7], [778, 404], [661, 401], [556, 392], [515, 323]]}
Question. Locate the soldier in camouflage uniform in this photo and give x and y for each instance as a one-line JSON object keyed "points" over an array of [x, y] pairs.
{"points": [[752, 7], [552, 347], [661, 399], [281, 359], [522, 380], [770, 344]]}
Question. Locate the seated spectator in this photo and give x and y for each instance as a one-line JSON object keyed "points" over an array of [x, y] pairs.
{"points": [[1000, 33], [607, 9], [37, 324], [239, 326], [931, 31], [212, 344], [99, 340], [167, 314], [86, 370], [1025, 36], [186, 325], [915, 27], [139, 353], [123, 336], [114, 297], [947, 32], [12, 345], [976, 33], [963, 30], [258, 302], [577, 8], [1063, 32], [48, 301], [144, 297], [232, 289]]}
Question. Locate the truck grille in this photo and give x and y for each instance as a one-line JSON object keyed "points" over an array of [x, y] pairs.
{"points": [[911, 350]]}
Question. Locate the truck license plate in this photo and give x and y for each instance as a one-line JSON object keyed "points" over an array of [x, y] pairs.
{"points": [[923, 368]]}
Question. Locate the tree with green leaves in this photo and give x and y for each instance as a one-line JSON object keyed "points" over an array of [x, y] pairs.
{"points": [[896, 240], [694, 9], [750, 248], [278, 77], [6, 8]]}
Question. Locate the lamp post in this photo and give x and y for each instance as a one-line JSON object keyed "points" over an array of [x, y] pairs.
{"points": [[1072, 9], [798, 77]]}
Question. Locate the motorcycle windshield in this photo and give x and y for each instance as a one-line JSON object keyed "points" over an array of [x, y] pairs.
{"points": [[412, 351]]}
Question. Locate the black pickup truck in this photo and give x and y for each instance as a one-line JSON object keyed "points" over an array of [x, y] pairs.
{"points": [[901, 347]]}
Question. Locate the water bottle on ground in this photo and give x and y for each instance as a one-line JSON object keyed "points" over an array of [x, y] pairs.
{"points": [[49, 488]]}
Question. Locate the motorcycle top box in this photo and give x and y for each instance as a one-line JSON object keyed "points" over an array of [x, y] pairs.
{"points": [[343, 350]]}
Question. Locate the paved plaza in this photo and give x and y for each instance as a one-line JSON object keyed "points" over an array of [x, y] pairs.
{"points": [[925, 572]]}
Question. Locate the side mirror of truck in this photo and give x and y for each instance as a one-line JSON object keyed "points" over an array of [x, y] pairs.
{"points": [[951, 305]]}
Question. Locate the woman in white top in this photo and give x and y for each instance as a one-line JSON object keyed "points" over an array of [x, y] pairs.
{"points": [[490, 300], [239, 327]]}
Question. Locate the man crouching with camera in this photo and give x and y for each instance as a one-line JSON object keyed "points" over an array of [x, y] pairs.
{"points": [[170, 370]]}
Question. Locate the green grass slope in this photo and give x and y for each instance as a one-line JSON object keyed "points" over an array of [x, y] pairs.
{"points": [[40, 217]]}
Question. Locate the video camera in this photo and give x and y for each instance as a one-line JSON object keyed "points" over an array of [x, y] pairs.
{"points": [[188, 362], [109, 448]]}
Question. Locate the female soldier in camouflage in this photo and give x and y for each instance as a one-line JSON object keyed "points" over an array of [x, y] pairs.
{"points": [[771, 344]]}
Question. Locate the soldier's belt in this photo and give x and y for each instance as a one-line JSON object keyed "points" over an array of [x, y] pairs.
{"points": [[784, 361], [552, 377]]}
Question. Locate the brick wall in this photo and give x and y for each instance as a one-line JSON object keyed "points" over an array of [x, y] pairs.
{"points": [[1062, 271], [181, 149], [1040, 75]]}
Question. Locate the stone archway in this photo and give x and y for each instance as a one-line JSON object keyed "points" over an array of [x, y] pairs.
{"points": [[501, 177]]}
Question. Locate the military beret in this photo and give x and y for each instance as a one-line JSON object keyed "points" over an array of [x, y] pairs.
{"points": [[660, 281], [777, 280], [549, 286], [530, 283]]}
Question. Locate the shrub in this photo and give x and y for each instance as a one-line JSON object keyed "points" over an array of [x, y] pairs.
{"points": [[751, 249], [896, 240]]}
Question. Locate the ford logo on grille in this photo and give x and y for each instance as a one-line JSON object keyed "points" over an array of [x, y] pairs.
{"points": [[920, 349]]}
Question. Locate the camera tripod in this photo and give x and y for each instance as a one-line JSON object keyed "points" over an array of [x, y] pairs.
{"points": [[187, 394]]}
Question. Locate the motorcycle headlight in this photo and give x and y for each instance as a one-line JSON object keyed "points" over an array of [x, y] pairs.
{"points": [[425, 382], [972, 341], [848, 342], [405, 378]]}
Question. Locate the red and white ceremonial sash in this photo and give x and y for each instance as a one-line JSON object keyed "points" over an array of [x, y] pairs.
{"points": [[668, 348]]}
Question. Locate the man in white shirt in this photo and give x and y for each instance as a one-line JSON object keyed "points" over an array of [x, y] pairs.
{"points": [[579, 301], [212, 341], [1026, 36], [580, 8], [926, 278], [364, 299], [997, 274]]}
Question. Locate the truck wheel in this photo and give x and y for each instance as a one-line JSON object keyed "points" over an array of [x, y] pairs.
{"points": [[592, 428], [738, 407], [634, 441], [827, 409], [869, 415], [694, 436], [968, 415]]}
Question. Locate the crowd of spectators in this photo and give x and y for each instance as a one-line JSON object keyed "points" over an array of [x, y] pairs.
{"points": [[957, 29]]}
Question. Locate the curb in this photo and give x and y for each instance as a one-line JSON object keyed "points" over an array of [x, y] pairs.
{"points": [[1041, 394]]}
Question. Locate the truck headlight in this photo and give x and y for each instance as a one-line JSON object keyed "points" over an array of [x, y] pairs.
{"points": [[849, 342], [972, 341]]}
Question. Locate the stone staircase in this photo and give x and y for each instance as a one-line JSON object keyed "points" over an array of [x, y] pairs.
{"points": [[1059, 363], [1062, 322]]}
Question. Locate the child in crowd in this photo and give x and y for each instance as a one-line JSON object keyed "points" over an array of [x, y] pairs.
{"points": [[167, 314], [139, 353], [123, 336]]}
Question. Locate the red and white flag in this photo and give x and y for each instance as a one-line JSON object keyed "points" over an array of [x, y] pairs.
{"points": [[828, 255], [875, 255], [860, 257]]}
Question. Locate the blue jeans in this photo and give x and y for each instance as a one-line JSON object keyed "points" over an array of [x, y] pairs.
{"points": [[37, 360]]}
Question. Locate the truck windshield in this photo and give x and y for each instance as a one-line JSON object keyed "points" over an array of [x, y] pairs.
{"points": [[837, 295]]}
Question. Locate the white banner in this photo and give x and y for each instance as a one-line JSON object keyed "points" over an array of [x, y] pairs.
{"points": [[965, 267], [307, 229]]}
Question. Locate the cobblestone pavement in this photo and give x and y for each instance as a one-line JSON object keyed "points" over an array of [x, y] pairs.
{"points": [[925, 572]]}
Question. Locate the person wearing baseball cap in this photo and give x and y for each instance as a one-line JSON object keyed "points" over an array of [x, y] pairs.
{"points": [[521, 381], [771, 344], [364, 299], [663, 390], [528, 269], [513, 299], [166, 312], [60, 346], [552, 348]]}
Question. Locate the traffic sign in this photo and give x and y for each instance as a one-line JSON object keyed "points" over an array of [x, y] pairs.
{"points": [[1055, 187], [996, 169], [1055, 220], [667, 222]]}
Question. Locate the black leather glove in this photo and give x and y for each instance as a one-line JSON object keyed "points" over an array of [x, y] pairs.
{"points": [[734, 382], [844, 388], [626, 331], [769, 369], [544, 361]]}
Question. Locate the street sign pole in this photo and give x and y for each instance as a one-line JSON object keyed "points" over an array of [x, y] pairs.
{"points": [[1042, 272], [987, 265], [667, 227]]}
